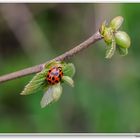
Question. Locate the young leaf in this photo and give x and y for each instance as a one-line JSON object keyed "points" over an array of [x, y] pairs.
{"points": [[68, 69], [47, 97], [57, 91], [52, 94], [68, 80], [36, 83], [102, 28], [108, 35], [122, 51], [110, 50]]}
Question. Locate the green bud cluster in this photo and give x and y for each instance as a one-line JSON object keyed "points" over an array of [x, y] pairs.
{"points": [[115, 40]]}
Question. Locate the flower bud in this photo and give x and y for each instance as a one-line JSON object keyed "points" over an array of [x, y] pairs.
{"points": [[116, 23], [122, 39]]}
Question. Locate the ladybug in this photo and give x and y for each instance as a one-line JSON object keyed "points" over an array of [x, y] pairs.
{"points": [[54, 75]]}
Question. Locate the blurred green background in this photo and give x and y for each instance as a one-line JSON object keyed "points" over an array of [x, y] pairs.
{"points": [[106, 96]]}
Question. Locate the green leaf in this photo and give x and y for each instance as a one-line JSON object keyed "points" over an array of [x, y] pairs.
{"points": [[52, 94], [110, 50], [47, 97], [57, 91], [68, 69], [68, 80], [122, 51], [36, 83]]}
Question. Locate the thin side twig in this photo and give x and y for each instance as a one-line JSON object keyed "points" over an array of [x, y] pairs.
{"points": [[67, 55]]}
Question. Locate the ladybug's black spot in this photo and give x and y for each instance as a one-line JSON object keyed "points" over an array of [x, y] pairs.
{"points": [[56, 81], [49, 70], [49, 81], [48, 76], [53, 78], [60, 75]]}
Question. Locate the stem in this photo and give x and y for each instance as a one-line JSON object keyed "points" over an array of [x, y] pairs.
{"points": [[67, 55]]}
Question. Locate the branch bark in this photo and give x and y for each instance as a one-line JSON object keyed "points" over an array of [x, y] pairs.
{"points": [[67, 55]]}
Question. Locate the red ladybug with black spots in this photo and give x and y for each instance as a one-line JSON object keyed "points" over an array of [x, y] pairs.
{"points": [[54, 75]]}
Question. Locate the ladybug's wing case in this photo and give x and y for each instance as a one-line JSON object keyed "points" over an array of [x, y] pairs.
{"points": [[54, 75]]}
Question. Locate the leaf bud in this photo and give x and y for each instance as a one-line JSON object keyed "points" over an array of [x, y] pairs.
{"points": [[122, 39], [116, 23]]}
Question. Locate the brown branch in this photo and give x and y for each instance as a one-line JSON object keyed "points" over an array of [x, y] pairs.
{"points": [[95, 37]]}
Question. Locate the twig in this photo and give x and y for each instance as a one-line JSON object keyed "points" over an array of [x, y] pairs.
{"points": [[95, 37]]}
